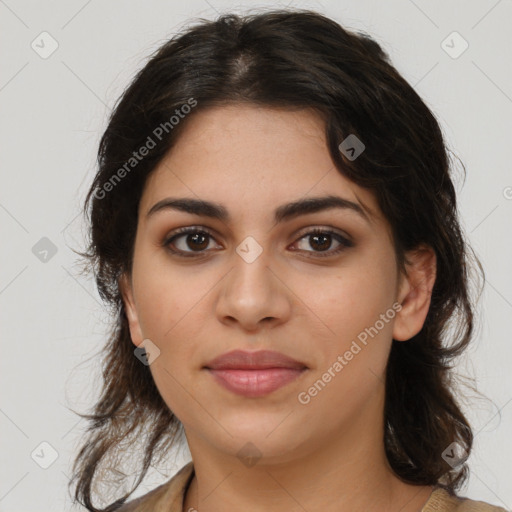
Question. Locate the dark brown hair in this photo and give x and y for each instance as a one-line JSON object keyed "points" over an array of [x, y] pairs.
{"points": [[292, 59]]}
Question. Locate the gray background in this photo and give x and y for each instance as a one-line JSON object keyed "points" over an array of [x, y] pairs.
{"points": [[54, 110]]}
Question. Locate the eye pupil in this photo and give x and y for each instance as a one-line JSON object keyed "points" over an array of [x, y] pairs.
{"points": [[325, 237], [197, 237]]}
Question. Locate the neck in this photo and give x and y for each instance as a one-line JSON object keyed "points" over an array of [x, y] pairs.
{"points": [[340, 472]]}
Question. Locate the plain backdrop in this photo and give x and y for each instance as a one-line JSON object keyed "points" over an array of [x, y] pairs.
{"points": [[53, 110]]}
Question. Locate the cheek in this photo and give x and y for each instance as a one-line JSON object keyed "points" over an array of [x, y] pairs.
{"points": [[355, 309], [355, 348], [345, 303], [170, 312], [167, 295]]}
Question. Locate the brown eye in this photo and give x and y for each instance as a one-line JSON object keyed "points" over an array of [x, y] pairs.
{"points": [[197, 241], [187, 241], [321, 240]]}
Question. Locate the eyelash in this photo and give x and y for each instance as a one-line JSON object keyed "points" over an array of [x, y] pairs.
{"points": [[344, 242]]}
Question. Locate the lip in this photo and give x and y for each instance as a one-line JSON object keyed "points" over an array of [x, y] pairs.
{"points": [[254, 374], [260, 360]]}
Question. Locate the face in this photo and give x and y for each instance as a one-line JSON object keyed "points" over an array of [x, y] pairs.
{"points": [[319, 286]]}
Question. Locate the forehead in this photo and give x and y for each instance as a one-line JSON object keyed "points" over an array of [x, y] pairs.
{"points": [[251, 159]]}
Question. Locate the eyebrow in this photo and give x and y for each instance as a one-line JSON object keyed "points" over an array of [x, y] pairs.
{"points": [[282, 213]]}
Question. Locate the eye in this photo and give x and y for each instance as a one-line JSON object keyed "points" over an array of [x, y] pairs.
{"points": [[321, 240], [193, 238], [194, 241]]}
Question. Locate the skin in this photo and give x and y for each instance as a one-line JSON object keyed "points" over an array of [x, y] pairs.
{"points": [[327, 454]]}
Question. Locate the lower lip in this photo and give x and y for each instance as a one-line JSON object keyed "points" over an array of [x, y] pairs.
{"points": [[254, 383]]}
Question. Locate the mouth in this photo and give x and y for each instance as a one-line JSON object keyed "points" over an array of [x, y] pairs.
{"points": [[254, 383], [254, 374]]}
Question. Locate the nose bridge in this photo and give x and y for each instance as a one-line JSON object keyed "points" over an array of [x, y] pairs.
{"points": [[252, 291], [251, 279]]}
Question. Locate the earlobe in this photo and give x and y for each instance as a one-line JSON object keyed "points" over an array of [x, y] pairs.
{"points": [[125, 288], [415, 292]]}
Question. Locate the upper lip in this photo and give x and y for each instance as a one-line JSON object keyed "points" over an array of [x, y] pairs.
{"points": [[263, 359]]}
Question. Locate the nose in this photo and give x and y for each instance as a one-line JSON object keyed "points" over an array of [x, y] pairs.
{"points": [[253, 295]]}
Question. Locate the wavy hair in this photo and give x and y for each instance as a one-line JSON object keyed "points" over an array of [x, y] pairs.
{"points": [[294, 59]]}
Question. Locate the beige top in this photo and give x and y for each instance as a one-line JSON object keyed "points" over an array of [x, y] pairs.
{"points": [[169, 497]]}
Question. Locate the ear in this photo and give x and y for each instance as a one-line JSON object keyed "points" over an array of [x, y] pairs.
{"points": [[125, 287], [415, 292]]}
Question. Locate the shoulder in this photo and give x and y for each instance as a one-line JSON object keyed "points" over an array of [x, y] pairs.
{"points": [[168, 496], [442, 501]]}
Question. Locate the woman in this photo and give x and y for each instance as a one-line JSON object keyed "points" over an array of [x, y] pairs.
{"points": [[275, 226]]}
